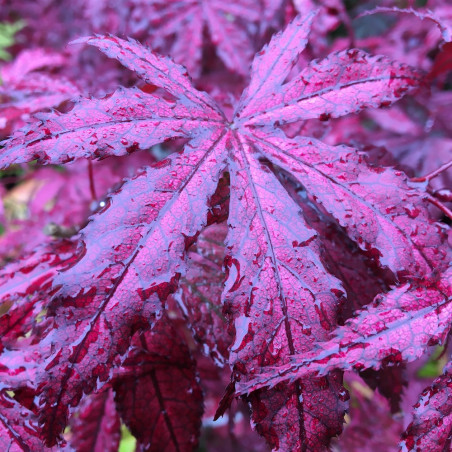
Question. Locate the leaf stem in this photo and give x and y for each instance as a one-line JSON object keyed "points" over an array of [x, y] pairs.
{"points": [[440, 206], [92, 186], [433, 174], [444, 195]]}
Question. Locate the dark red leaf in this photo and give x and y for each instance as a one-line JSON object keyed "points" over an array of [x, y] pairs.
{"points": [[199, 294], [160, 399], [282, 300], [140, 224], [390, 224]]}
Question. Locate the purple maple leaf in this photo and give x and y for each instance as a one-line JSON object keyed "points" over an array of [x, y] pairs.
{"points": [[179, 28], [279, 296], [396, 326]]}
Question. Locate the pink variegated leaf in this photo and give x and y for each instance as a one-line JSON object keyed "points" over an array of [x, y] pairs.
{"points": [[115, 125], [397, 232], [342, 83], [141, 223], [273, 63], [24, 287], [281, 301]]}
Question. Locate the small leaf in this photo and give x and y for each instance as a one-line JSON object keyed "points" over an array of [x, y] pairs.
{"points": [[431, 426]]}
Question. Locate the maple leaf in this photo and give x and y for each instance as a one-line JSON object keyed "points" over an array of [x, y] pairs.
{"points": [[361, 280], [96, 425], [396, 326], [160, 418], [231, 27], [279, 296], [25, 90], [432, 423]]}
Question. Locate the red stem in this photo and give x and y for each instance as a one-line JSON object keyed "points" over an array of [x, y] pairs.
{"points": [[444, 195], [92, 187], [433, 174], [440, 206]]}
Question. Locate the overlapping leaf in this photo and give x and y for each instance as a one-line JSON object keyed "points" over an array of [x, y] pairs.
{"points": [[25, 90], [279, 296], [199, 294], [24, 287], [397, 327], [160, 398], [96, 425], [180, 27], [16, 432]]}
